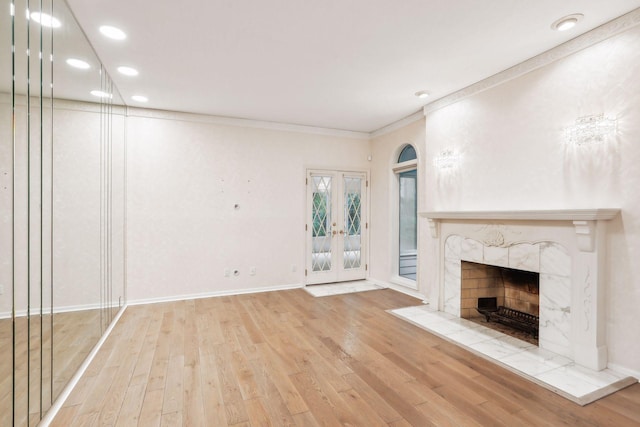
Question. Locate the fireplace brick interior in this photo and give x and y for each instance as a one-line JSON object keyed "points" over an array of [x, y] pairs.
{"points": [[515, 289]]}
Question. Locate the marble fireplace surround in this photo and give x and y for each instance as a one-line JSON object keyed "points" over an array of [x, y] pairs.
{"points": [[566, 247]]}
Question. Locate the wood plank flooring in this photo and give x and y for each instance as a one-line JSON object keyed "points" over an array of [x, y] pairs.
{"points": [[74, 335], [289, 359]]}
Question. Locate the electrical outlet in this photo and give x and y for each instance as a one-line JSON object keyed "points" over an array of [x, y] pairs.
{"points": [[252, 271], [227, 272]]}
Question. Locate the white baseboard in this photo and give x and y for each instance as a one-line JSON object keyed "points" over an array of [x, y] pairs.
{"points": [[47, 310], [214, 294], [57, 404], [622, 370]]}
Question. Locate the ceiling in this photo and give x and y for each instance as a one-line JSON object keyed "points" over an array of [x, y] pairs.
{"points": [[339, 64]]}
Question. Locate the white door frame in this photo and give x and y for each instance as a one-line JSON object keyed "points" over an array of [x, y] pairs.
{"points": [[337, 273]]}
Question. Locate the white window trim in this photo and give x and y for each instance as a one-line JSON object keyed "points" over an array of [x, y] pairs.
{"points": [[402, 281], [395, 278], [405, 166]]}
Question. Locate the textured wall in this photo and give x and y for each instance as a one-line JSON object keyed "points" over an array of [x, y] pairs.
{"points": [[77, 208], [513, 156], [184, 179]]}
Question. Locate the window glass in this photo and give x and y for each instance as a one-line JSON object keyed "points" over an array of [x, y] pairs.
{"points": [[408, 226], [408, 153]]}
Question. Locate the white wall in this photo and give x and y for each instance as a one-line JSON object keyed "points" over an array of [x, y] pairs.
{"points": [[186, 173], [513, 157], [77, 208], [15, 231], [80, 208]]}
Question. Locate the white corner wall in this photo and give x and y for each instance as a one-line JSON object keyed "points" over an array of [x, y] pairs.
{"points": [[185, 175], [513, 156]]}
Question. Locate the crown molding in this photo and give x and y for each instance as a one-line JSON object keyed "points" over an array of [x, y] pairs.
{"points": [[418, 115], [62, 104], [583, 41], [246, 123]]}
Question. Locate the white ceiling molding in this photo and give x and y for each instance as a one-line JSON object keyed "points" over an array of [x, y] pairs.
{"points": [[247, 123], [418, 115], [61, 104], [601, 33]]}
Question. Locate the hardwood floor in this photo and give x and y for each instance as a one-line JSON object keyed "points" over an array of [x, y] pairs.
{"points": [[74, 335], [289, 359]]}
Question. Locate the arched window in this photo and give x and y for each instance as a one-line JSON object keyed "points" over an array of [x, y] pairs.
{"points": [[406, 171], [407, 153]]}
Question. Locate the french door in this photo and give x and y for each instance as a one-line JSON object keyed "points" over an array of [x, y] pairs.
{"points": [[336, 226]]}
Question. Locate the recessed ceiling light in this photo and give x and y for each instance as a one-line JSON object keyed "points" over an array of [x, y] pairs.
{"points": [[567, 22], [140, 98], [422, 94], [46, 20], [128, 71], [101, 94], [78, 63], [113, 32]]}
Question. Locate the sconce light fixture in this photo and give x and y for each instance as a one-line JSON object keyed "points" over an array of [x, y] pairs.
{"points": [[591, 130], [447, 159]]}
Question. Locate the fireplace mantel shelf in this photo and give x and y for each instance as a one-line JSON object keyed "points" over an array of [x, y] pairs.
{"points": [[535, 215], [584, 220]]}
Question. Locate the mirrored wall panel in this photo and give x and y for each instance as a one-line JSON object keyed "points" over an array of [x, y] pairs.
{"points": [[62, 204]]}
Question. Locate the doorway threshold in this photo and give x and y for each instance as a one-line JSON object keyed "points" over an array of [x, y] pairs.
{"points": [[341, 288]]}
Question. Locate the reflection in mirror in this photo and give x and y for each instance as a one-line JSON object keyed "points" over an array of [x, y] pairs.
{"points": [[88, 201], [114, 155], [6, 258], [76, 202], [62, 210], [88, 218], [25, 309]]}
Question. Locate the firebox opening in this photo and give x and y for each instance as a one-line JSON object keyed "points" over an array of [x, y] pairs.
{"points": [[501, 298]]}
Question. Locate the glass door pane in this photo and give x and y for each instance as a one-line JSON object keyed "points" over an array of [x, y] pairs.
{"points": [[352, 233], [408, 209], [321, 229]]}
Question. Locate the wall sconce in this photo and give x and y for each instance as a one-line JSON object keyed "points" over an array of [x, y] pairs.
{"points": [[447, 159], [591, 130]]}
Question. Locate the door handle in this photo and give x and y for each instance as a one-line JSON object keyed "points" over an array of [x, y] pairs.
{"points": [[341, 231]]}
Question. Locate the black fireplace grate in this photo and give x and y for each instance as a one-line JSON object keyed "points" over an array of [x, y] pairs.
{"points": [[517, 319], [508, 316]]}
